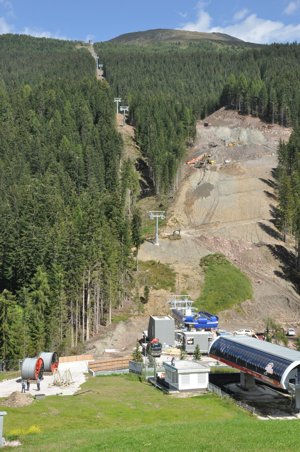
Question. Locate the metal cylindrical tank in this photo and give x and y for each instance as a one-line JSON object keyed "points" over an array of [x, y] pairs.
{"points": [[50, 361], [32, 368]]}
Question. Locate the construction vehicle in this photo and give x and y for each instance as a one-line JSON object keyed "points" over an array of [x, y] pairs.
{"points": [[201, 161], [175, 235], [154, 348], [200, 164], [198, 159], [200, 321], [185, 314]]}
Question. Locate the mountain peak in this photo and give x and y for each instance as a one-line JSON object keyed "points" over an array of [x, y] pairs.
{"points": [[170, 35]]}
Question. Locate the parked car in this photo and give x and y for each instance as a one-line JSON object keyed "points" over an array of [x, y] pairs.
{"points": [[223, 333], [244, 332], [291, 332]]}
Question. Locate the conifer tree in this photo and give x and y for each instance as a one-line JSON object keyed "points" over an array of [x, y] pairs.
{"points": [[11, 330]]}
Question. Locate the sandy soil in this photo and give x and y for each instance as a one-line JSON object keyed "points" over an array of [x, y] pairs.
{"points": [[77, 369], [120, 339], [227, 207], [223, 208]]}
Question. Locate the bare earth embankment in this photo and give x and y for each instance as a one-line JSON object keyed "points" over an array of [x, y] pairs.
{"points": [[229, 207]]}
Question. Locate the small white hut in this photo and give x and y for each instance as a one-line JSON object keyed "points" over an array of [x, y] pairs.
{"points": [[186, 375]]}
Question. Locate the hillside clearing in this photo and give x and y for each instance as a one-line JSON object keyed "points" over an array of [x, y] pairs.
{"points": [[228, 208]]}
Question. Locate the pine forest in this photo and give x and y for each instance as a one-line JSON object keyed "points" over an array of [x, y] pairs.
{"points": [[68, 206]]}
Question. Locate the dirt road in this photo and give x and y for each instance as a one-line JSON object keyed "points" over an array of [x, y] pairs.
{"points": [[228, 207]]}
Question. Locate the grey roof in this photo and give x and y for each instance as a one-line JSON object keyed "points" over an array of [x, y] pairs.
{"points": [[268, 347], [161, 317], [187, 365]]}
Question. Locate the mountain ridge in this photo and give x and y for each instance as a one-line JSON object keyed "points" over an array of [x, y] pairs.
{"points": [[160, 35]]}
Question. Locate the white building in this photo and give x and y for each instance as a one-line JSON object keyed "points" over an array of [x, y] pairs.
{"points": [[186, 375]]}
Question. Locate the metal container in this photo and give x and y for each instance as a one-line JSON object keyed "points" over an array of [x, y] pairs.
{"points": [[162, 328], [193, 338], [50, 361], [32, 368]]}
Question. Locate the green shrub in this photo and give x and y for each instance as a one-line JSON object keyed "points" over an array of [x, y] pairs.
{"points": [[137, 354], [156, 275], [197, 353]]}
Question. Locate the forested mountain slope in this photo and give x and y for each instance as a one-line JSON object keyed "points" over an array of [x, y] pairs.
{"points": [[68, 218], [65, 235], [24, 59], [169, 86]]}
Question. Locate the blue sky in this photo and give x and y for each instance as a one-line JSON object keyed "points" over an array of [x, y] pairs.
{"points": [[261, 21]]}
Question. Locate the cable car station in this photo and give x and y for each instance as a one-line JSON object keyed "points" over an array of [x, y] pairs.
{"points": [[272, 364]]}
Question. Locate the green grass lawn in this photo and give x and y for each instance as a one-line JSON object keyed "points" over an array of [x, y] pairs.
{"points": [[8, 375], [122, 413], [224, 285]]}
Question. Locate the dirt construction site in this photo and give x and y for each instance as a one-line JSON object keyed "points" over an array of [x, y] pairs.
{"points": [[228, 206]]}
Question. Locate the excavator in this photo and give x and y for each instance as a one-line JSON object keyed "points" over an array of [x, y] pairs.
{"points": [[201, 161]]}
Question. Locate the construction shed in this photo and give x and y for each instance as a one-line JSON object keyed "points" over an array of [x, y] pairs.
{"points": [[190, 340], [186, 375], [162, 328]]}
